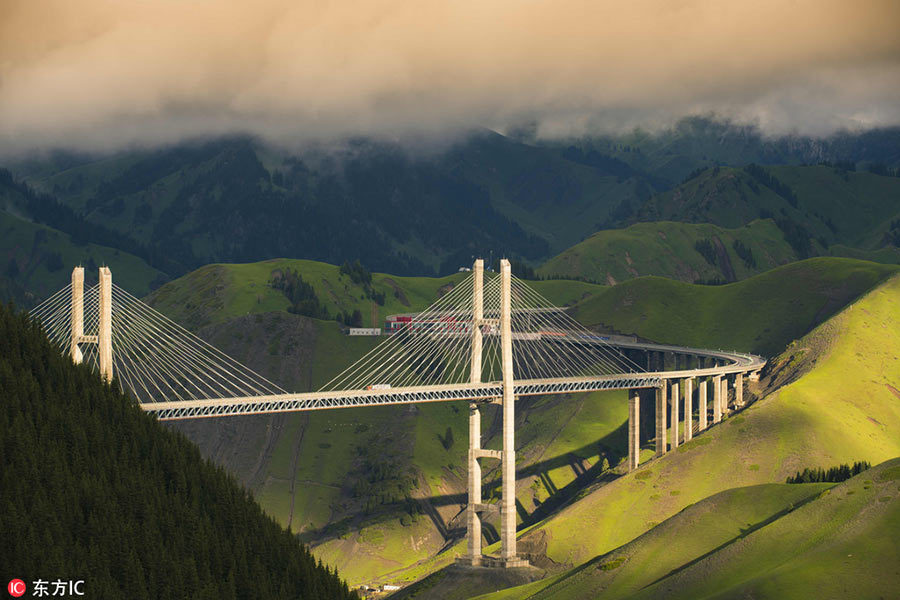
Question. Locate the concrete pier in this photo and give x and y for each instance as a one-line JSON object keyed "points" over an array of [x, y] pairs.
{"points": [[725, 409], [661, 427], [634, 429], [739, 390], [717, 399], [674, 403], [473, 519], [688, 409], [702, 408]]}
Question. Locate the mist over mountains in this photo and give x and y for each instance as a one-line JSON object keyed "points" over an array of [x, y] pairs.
{"points": [[418, 211]]}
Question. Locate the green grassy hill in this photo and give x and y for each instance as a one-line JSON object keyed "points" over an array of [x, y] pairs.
{"points": [[816, 206], [765, 541], [761, 314], [834, 399], [668, 249], [217, 293], [38, 261]]}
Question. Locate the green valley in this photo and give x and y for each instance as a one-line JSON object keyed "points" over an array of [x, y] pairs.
{"points": [[418, 494]]}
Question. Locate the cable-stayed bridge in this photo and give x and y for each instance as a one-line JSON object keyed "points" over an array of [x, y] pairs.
{"points": [[490, 339]]}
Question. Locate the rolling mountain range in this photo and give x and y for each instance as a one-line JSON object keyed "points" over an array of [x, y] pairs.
{"points": [[428, 211]]}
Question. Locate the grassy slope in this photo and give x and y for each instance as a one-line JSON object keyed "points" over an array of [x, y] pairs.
{"points": [[216, 293], [699, 529], [760, 314], [821, 418], [858, 205], [30, 244], [667, 249], [850, 554], [756, 542], [889, 255]]}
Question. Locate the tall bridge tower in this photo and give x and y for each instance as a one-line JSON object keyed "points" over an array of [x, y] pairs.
{"points": [[507, 456], [103, 339]]}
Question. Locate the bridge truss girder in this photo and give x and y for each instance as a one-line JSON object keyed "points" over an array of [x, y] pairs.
{"points": [[193, 409]]}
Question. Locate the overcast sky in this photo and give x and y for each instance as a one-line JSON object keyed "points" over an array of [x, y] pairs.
{"points": [[100, 74]]}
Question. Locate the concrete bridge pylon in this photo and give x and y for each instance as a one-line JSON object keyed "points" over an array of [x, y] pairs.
{"points": [[508, 554], [103, 339]]}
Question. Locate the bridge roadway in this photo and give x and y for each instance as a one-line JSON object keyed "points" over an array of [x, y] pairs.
{"points": [[251, 405]]}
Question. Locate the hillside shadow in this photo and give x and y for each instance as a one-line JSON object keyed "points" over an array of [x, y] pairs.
{"points": [[454, 528]]}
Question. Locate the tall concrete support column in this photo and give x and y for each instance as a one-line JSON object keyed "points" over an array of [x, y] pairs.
{"points": [[676, 397], [77, 319], [104, 339], [661, 427], [739, 390], [688, 409], [717, 399], [508, 502], [473, 519], [634, 429], [725, 395], [702, 408]]}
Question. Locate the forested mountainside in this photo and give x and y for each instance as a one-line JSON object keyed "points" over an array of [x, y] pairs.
{"points": [[96, 490]]}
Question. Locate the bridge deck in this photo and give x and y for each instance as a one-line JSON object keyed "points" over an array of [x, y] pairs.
{"points": [[191, 409]]}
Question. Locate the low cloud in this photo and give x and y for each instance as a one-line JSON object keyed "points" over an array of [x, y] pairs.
{"points": [[101, 74]]}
